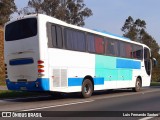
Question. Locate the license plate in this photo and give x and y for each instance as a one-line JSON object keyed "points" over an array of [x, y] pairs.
{"points": [[23, 88]]}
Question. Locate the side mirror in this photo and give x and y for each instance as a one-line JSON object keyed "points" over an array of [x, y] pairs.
{"points": [[154, 62]]}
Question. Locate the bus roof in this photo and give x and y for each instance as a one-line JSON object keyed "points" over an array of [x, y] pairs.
{"points": [[108, 33]]}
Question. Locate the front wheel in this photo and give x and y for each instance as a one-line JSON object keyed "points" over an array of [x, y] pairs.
{"points": [[87, 88], [138, 85]]}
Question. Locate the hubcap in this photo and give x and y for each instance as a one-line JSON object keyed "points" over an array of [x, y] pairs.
{"points": [[86, 89], [138, 85]]}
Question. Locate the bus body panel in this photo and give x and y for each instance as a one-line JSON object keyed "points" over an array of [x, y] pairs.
{"points": [[21, 60]]}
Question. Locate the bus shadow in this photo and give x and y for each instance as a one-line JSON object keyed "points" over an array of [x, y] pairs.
{"points": [[48, 96]]}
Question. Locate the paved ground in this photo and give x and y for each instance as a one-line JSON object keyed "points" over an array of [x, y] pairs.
{"points": [[101, 103]]}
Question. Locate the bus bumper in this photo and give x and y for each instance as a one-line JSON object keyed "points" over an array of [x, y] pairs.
{"points": [[41, 84]]}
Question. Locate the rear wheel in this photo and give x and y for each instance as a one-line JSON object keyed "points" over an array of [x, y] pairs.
{"points": [[87, 88], [138, 85]]}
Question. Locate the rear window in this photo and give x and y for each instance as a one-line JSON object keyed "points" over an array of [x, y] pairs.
{"points": [[21, 29]]}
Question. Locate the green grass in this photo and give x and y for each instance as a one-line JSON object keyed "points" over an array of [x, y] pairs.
{"points": [[2, 82], [155, 83], [17, 94]]}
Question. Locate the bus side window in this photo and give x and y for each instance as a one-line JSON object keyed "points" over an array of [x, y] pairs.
{"points": [[99, 45], [112, 48], [81, 41], [57, 39], [53, 34], [137, 52], [122, 49], [106, 46], [128, 50], [75, 40], [146, 54], [90, 43]]}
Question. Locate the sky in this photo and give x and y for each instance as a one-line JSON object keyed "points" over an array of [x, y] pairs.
{"points": [[110, 15]]}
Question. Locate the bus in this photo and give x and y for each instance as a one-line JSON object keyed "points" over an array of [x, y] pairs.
{"points": [[43, 53]]}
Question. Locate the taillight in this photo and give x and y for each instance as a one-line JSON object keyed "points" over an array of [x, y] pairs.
{"points": [[40, 62], [40, 68]]}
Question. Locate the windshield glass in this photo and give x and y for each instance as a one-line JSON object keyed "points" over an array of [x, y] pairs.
{"points": [[21, 29]]}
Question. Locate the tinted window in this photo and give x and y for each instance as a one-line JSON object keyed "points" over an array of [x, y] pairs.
{"points": [[99, 45], [91, 43], [57, 39], [137, 52], [147, 61], [122, 49], [21, 29], [125, 50], [128, 50], [75, 40], [112, 47], [146, 53]]}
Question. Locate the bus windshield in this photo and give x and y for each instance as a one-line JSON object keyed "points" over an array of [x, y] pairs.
{"points": [[21, 29]]}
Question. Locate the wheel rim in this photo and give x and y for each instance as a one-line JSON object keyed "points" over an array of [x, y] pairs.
{"points": [[138, 85], [86, 88]]}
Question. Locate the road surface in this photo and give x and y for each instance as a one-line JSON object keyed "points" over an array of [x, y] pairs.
{"points": [[102, 104]]}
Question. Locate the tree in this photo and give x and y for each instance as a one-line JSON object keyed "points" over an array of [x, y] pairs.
{"points": [[135, 30], [7, 7], [70, 11]]}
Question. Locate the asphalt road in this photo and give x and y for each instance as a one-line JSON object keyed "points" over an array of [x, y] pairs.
{"points": [[102, 104]]}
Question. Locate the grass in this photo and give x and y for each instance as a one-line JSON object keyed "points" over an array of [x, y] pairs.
{"points": [[155, 83], [16, 94], [2, 81]]}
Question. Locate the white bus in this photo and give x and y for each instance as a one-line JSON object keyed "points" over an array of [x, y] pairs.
{"points": [[45, 54]]}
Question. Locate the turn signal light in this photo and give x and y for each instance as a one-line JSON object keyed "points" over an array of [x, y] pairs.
{"points": [[40, 66]]}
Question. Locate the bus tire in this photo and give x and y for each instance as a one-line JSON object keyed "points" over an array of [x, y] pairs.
{"points": [[87, 88], [138, 85]]}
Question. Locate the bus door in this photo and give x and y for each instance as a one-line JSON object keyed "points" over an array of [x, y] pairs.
{"points": [[148, 68], [147, 61]]}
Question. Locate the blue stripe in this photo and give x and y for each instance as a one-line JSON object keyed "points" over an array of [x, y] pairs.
{"points": [[78, 81], [98, 81], [21, 61], [75, 81], [131, 64], [29, 86]]}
